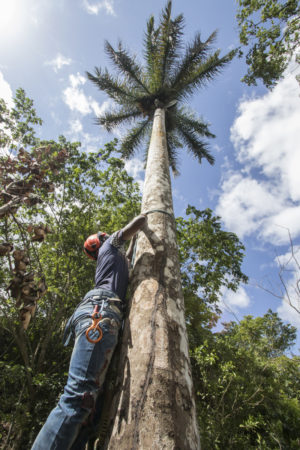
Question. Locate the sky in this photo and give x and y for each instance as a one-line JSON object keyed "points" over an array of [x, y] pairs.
{"points": [[47, 46]]}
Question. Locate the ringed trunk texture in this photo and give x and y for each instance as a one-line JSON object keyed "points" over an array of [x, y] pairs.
{"points": [[156, 408]]}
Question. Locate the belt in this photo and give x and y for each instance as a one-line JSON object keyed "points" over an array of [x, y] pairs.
{"points": [[109, 299], [116, 302], [104, 294]]}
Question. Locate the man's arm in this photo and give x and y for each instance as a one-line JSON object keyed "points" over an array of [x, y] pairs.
{"points": [[130, 249], [133, 227]]}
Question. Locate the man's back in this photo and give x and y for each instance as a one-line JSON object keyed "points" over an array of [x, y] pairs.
{"points": [[112, 266]]}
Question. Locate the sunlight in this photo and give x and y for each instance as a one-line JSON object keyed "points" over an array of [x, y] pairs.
{"points": [[11, 18]]}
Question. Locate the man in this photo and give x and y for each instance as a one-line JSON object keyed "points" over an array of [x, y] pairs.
{"points": [[91, 356]]}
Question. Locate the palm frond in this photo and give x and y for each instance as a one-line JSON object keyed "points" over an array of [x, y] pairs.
{"points": [[195, 145], [112, 119], [173, 144], [134, 137], [170, 41], [192, 123], [202, 74], [126, 65], [196, 52], [166, 48], [150, 43], [115, 89], [170, 120]]}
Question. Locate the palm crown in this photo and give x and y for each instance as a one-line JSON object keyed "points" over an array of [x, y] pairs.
{"points": [[170, 75]]}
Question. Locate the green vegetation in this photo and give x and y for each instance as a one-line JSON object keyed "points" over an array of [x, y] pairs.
{"points": [[87, 193], [269, 30], [247, 388]]}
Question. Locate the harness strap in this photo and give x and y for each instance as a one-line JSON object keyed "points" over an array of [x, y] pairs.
{"points": [[108, 299], [159, 211]]}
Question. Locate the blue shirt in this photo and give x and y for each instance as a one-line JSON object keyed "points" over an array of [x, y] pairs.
{"points": [[112, 266]]}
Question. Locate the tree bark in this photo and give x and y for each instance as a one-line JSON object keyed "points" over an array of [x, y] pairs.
{"points": [[155, 406]]}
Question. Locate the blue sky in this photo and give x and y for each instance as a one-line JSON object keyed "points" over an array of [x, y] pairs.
{"points": [[46, 47]]}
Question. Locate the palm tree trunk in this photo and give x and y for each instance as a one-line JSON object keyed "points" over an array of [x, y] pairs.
{"points": [[156, 408]]}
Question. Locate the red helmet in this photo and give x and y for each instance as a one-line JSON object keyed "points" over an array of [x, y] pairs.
{"points": [[93, 243]]}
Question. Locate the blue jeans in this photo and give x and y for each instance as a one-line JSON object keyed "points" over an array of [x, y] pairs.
{"points": [[88, 367]]}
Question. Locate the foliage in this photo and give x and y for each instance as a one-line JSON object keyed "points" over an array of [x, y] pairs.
{"points": [[34, 362], [210, 257], [210, 260], [17, 124], [271, 29], [248, 390], [170, 75]]}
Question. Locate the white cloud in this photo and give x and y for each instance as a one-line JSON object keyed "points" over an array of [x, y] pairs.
{"points": [[58, 62], [7, 95], [77, 80], [236, 300], [135, 168], [100, 109], [245, 203], [74, 97], [77, 100], [88, 141], [75, 127], [95, 8], [217, 148], [265, 195], [287, 313], [5, 91]]}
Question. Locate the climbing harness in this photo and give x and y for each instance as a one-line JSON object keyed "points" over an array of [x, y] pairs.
{"points": [[135, 244], [96, 316]]}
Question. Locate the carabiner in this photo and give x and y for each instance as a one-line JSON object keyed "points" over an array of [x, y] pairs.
{"points": [[96, 317]]}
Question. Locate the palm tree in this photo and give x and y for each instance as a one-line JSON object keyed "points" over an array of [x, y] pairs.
{"points": [[156, 408]]}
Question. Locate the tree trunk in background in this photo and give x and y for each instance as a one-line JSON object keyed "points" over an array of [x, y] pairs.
{"points": [[155, 405]]}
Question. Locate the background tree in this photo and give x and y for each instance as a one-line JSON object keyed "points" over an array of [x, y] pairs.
{"points": [[269, 29], [24, 179], [247, 387], [210, 257], [156, 360]]}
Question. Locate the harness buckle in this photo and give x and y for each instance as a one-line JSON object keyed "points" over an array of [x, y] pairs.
{"points": [[96, 317]]}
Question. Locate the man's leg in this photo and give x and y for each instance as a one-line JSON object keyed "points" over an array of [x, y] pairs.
{"points": [[88, 366], [90, 429]]}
